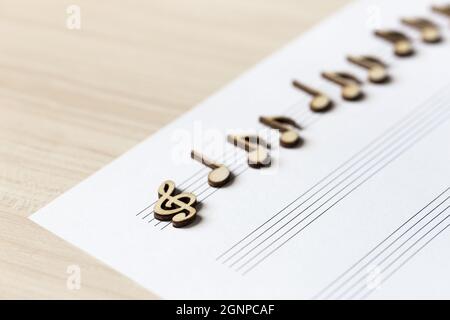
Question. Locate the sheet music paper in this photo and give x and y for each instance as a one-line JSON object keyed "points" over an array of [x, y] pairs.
{"points": [[360, 210]]}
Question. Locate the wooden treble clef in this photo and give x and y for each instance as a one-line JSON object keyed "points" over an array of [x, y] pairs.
{"points": [[179, 208]]}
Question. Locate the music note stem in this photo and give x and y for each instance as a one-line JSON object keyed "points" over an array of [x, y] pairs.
{"points": [[305, 88], [202, 159]]}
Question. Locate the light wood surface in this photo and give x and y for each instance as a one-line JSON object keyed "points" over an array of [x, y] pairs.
{"points": [[73, 100]]}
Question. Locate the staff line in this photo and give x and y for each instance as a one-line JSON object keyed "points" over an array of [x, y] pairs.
{"points": [[226, 155], [392, 136], [355, 274], [342, 275], [215, 189], [198, 187], [406, 251], [185, 190], [380, 154], [207, 186], [386, 134], [279, 246], [358, 281], [408, 259]]}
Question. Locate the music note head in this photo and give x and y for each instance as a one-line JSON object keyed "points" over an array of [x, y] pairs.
{"points": [[219, 177], [378, 74], [289, 139], [431, 35], [351, 92], [259, 157], [320, 103], [403, 48]]}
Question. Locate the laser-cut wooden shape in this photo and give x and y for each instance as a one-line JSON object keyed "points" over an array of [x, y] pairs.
{"points": [[351, 86], [289, 137], [320, 102], [377, 72], [178, 208], [258, 155], [219, 176], [402, 44]]}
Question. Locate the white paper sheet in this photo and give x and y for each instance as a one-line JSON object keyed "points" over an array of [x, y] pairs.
{"points": [[358, 211]]}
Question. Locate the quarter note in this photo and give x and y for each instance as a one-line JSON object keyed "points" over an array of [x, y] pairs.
{"points": [[320, 102], [402, 44], [376, 68], [351, 86], [219, 176], [428, 29], [258, 155], [289, 138]]}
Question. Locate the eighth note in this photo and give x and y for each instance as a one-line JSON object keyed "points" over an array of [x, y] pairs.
{"points": [[289, 138], [179, 208], [258, 156], [428, 29], [376, 68], [402, 44], [351, 86]]}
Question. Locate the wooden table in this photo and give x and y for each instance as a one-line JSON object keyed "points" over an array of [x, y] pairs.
{"points": [[72, 100]]}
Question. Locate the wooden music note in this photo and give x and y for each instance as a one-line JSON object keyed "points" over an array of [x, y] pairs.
{"points": [[444, 9], [376, 68], [402, 44], [258, 156], [289, 138], [320, 102], [428, 29], [179, 208], [219, 176], [351, 89]]}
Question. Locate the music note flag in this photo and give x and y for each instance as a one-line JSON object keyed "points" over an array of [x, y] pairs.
{"points": [[289, 138], [179, 208], [351, 86], [258, 156]]}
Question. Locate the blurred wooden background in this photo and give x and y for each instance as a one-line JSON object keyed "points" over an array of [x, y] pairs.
{"points": [[73, 100]]}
